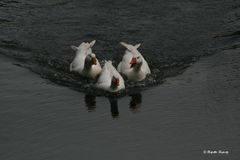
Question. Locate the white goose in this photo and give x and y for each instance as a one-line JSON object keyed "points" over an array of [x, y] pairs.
{"points": [[133, 64], [85, 62], [110, 80]]}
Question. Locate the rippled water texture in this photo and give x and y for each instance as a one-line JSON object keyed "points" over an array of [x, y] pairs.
{"points": [[179, 119], [173, 33]]}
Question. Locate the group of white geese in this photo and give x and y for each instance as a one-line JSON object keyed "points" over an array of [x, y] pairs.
{"points": [[133, 67]]}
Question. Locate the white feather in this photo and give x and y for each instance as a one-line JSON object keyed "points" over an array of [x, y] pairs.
{"points": [[105, 78], [124, 67], [78, 63]]}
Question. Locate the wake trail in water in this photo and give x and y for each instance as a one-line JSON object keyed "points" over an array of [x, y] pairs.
{"points": [[173, 35]]}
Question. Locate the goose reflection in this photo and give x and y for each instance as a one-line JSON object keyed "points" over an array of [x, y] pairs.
{"points": [[135, 102], [114, 106], [90, 102]]}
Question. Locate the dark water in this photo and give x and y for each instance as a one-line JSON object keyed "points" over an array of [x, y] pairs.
{"points": [[195, 111], [179, 119], [173, 33]]}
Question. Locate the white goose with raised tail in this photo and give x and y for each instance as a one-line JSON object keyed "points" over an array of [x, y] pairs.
{"points": [[133, 64], [109, 79], [85, 62]]}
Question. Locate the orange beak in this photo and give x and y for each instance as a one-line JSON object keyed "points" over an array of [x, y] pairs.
{"points": [[94, 60], [117, 82], [133, 61]]}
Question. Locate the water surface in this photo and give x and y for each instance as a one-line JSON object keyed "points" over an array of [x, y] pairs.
{"points": [[173, 33]]}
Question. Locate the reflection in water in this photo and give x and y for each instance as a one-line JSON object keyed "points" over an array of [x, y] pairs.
{"points": [[114, 106], [135, 103], [90, 102]]}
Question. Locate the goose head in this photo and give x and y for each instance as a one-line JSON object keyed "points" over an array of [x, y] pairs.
{"points": [[136, 61], [90, 60], [115, 82]]}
